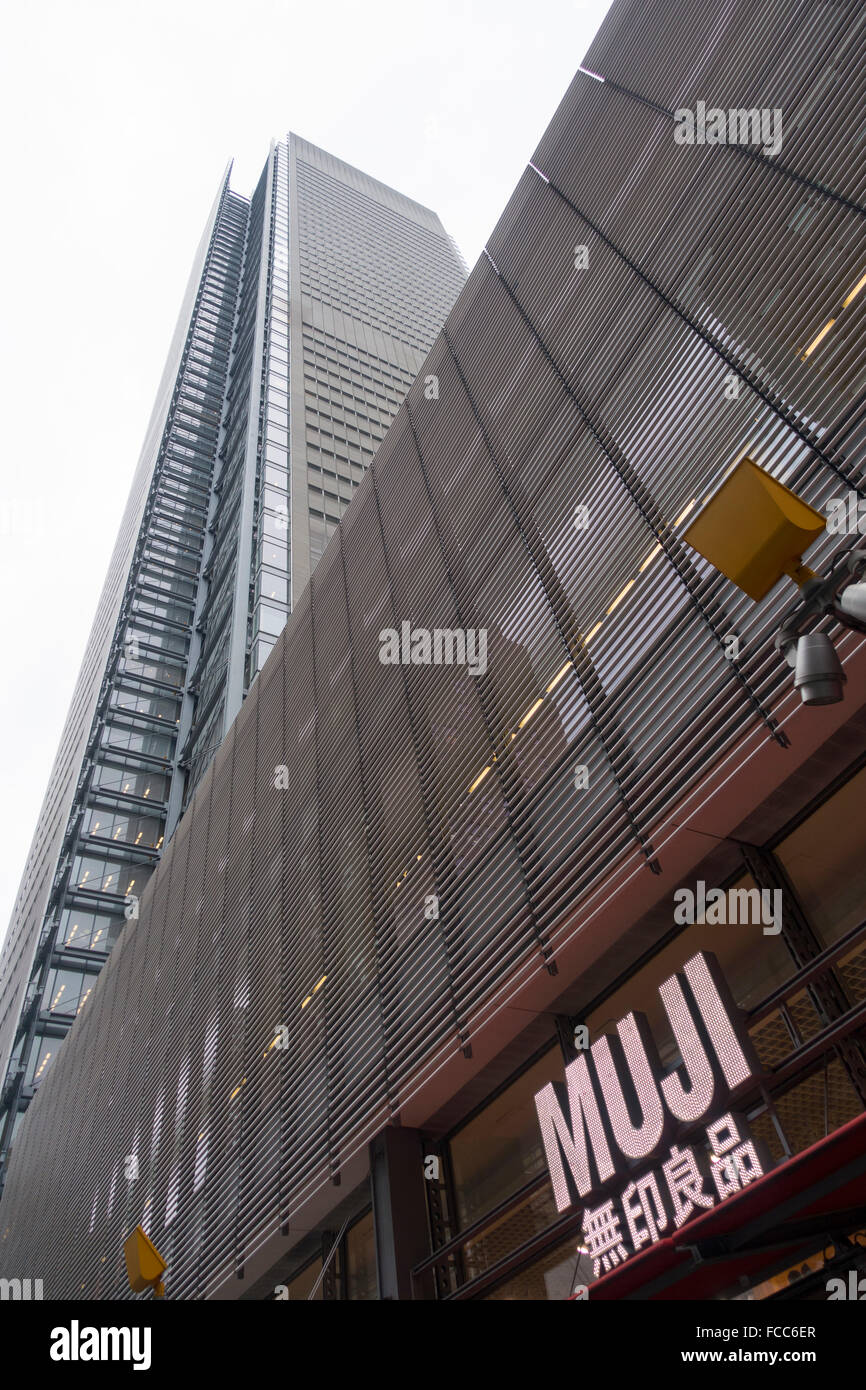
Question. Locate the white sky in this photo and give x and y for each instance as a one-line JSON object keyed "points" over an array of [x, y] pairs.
{"points": [[119, 119]]}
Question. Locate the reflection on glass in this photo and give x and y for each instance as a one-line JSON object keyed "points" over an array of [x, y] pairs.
{"points": [[824, 860], [361, 1279], [753, 965], [302, 1284], [553, 1278], [501, 1149]]}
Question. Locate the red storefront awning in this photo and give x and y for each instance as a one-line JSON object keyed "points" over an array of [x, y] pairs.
{"points": [[748, 1232]]}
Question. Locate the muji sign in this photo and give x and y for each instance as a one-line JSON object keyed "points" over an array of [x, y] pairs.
{"points": [[624, 1111]]}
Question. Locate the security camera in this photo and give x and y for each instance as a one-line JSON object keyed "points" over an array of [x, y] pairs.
{"points": [[852, 601], [818, 673]]}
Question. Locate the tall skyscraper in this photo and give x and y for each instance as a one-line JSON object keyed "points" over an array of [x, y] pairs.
{"points": [[309, 310]]}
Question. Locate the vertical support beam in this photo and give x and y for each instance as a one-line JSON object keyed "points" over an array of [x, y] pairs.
{"points": [[241, 598], [399, 1210], [441, 1206], [299, 499]]}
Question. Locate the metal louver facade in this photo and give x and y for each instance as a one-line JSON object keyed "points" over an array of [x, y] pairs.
{"points": [[300, 902]]}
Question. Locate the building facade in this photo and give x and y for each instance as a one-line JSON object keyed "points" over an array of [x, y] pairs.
{"points": [[309, 310], [377, 1030]]}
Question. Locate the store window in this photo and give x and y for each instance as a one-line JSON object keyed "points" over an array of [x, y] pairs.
{"points": [[303, 1284], [823, 1259], [361, 1279], [825, 862], [554, 1277], [505, 1234], [753, 962], [499, 1150], [754, 965]]}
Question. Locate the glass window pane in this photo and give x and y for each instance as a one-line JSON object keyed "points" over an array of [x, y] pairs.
{"points": [[501, 1148], [824, 860], [553, 1277], [361, 1279], [42, 1055], [753, 964], [276, 501], [273, 586], [275, 554], [302, 1284], [271, 620]]}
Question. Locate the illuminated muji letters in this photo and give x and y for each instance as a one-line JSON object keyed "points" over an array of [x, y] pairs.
{"points": [[618, 1109]]}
